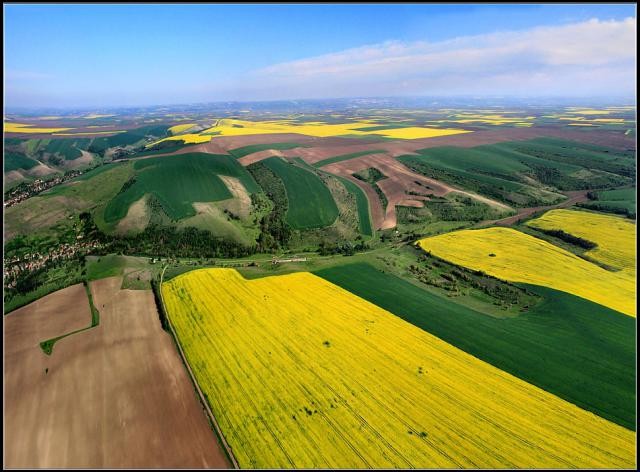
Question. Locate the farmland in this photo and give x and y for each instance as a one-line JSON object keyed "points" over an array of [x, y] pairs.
{"points": [[372, 325], [310, 204], [593, 371], [614, 236], [127, 366], [281, 352], [620, 201], [511, 255], [177, 183]]}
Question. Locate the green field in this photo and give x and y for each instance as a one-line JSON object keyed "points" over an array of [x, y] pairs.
{"points": [[310, 204], [177, 182], [246, 150], [578, 350], [362, 202], [619, 201], [15, 161], [518, 172], [345, 157], [68, 148], [99, 145]]}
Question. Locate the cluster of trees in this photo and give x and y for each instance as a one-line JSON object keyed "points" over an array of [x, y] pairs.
{"points": [[371, 176], [569, 238], [346, 248], [452, 278], [275, 232]]}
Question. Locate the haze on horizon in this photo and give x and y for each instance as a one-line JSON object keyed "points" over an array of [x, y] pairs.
{"points": [[139, 55]]}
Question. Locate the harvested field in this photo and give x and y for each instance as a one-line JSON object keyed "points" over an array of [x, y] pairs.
{"points": [[115, 396], [400, 180], [272, 353]]}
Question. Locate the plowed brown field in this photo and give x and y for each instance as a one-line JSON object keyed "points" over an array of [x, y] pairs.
{"points": [[114, 396]]}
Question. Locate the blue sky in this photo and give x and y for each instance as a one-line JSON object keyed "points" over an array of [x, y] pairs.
{"points": [[116, 55]]}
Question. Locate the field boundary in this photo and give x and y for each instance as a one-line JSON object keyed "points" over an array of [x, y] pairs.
{"points": [[203, 400]]}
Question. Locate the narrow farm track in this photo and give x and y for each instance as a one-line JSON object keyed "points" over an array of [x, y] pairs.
{"points": [[573, 198]]}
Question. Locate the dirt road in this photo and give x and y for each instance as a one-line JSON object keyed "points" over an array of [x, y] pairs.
{"points": [[574, 197]]}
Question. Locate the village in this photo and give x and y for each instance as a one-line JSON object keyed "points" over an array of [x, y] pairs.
{"points": [[24, 191], [30, 262]]}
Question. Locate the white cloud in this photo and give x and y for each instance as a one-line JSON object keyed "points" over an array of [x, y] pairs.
{"points": [[592, 57]]}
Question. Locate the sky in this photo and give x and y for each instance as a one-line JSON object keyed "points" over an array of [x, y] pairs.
{"points": [[136, 55]]}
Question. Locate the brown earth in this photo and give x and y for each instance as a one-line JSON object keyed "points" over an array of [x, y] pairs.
{"points": [[114, 396], [137, 218], [399, 182], [241, 202]]}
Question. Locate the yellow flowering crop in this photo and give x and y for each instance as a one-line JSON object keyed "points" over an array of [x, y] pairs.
{"points": [[511, 255], [26, 128], [180, 128], [187, 138], [301, 373], [614, 235], [232, 127]]}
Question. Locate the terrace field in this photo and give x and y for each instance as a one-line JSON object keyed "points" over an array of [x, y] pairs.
{"points": [[511, 255], [271, 356]]}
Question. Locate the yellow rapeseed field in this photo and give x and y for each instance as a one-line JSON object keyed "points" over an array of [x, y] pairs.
{"points": [[488, 119], [26, 128], [188, 138], [301, 373], [93, 116], [180, 128], [81, 133], [233, 127], [519, 257], [614, 235]]}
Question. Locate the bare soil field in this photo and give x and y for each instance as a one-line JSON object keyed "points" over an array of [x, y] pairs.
{"points": [[137, 218], [241, 202], [396, 187], [114, 396]]}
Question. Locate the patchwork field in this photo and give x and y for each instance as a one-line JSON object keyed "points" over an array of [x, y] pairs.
{"points": [[235, 127], [271, 356], [178, 182], [511, 255], [94, 401], [571, 347], [310, 204], [615, 237], [401, 186]]}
